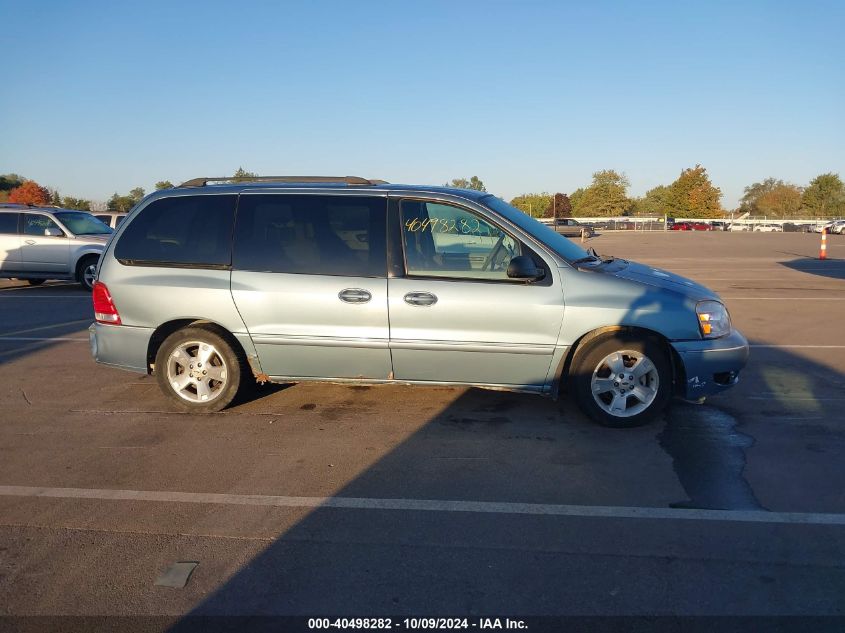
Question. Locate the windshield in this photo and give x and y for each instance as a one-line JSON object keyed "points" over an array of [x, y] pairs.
{"points": [[564, 247], [80, 223]]}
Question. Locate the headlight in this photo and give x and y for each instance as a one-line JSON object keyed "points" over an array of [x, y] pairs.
{"points": [[713, 319]]}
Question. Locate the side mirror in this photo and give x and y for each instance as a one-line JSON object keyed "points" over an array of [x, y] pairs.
{"points": [[53, 232], [523, 267]]}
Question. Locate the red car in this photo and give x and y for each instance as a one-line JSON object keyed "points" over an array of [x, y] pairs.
{"points": [[691, 226]]}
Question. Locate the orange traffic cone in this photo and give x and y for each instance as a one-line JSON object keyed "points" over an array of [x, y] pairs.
{"points": [[823, 249]]}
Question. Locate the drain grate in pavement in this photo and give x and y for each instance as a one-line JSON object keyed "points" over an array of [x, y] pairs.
{"points": [[177, 575]]}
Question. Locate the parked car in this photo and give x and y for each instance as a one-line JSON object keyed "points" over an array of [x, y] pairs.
{"points": [[573, 228], [110, 218], [837, 227], [718, 225], [41, 243], [358, 281], [818, 228], [736, 226], [768, 228], [691, 226]]}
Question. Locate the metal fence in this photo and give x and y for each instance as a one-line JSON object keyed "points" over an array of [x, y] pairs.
{"points": [[660, 224]]}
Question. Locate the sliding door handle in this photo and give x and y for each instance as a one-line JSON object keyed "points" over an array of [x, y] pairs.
{"points": [[420, 299], [354, 295]]}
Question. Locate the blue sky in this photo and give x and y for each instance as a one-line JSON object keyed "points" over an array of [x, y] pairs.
{"points": [[105, 96]]}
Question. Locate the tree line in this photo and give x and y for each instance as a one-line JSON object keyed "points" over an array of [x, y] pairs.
{"points": [[691, 195]]}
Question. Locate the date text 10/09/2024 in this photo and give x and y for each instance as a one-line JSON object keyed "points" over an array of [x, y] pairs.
{"points": [[417, 623]]}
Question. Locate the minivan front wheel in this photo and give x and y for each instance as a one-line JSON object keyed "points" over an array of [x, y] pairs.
{"points": [[622, 381], [198, 370]]}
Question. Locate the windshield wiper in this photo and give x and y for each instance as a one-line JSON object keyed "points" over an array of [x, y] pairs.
{"points": [[584, 260]]}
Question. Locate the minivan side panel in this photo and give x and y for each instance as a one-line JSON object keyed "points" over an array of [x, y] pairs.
{"points": [[301, 328]]}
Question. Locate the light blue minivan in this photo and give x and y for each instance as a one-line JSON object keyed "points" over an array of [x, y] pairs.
{"points": [[213, 287]]}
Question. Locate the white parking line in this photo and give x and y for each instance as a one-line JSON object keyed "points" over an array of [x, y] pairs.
{"points": [[40, 338], [798, 346], [431, 505]]}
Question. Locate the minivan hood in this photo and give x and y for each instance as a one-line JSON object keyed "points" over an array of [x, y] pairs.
{"points": [[664, 279], [640, 273]]}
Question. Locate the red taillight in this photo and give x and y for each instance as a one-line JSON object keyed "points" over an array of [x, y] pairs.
{"points": [[104, 308]]}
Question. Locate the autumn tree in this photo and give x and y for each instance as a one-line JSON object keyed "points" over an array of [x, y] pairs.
{"points": [[534, 204], [782, 201], [825, 196], [692, 195], [30, 192], [606, 196], [473, 183], [164, 184], [561, 206]]}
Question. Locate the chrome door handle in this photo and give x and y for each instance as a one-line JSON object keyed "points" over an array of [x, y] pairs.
{"points": [[354, 295], [420, 299], [30, 242]]}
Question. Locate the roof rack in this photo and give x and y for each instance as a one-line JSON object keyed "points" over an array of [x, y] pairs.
{"points": [[348, 180]]}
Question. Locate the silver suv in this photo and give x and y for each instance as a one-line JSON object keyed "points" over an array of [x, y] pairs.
{"points": [[212, 287], [40, 243]]}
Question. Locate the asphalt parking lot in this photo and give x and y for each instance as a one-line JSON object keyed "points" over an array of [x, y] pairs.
{"points": [[318, 499]]}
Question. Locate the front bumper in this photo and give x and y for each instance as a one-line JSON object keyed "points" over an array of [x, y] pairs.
{"points": [[711, 365]]}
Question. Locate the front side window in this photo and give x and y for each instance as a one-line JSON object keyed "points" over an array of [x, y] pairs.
{"points": [[311, 234], [442, 240], [191, 231], [36, 224]]}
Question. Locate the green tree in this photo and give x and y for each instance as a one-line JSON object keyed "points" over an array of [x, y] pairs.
{"points": [[654, 202], [606, 196], [11, 181], [825, 196], [120, 204], [69, 202], [55, 197], [137, 194], [692, 195], [164, 184], [534, 204], [242, 174], [473, 183], [575, 198]]}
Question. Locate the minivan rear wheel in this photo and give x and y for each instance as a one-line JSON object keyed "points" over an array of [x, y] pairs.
{"points": [[622, 381], [198, 370]]}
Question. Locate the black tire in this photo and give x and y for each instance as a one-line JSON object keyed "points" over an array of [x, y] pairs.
{"points": [[35, 282], [86, 270], [232, 362], [589, 360]]}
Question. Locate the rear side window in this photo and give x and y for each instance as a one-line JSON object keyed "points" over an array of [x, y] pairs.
{"points": [[317, 235], [9, 223], [190, 231]]}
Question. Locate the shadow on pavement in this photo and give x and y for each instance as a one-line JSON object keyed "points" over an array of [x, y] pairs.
{"points": [[832, 268], [489, 446]]}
